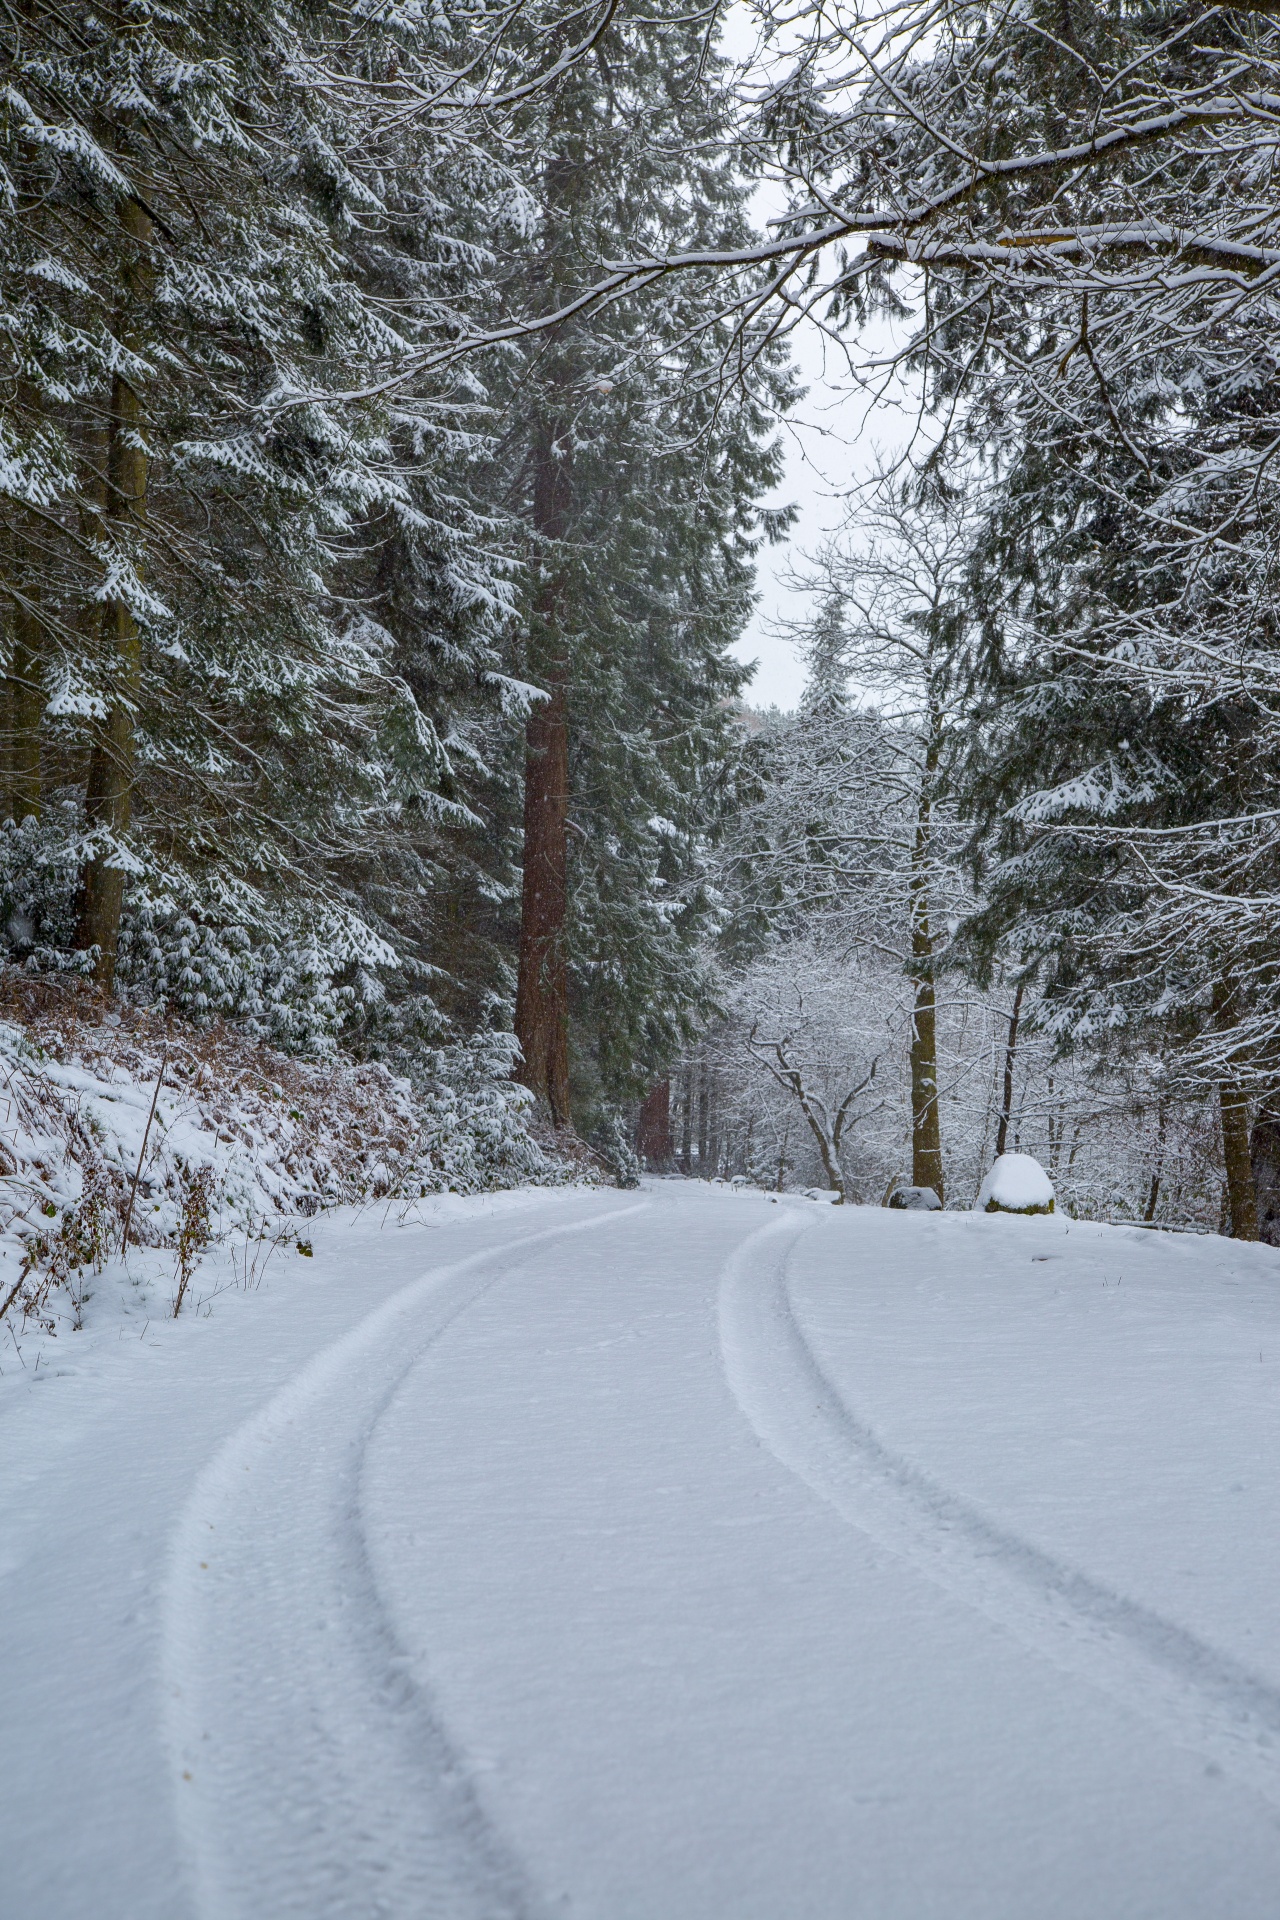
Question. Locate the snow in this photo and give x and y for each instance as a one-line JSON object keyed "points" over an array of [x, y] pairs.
{"points": [[687, 1552], [107, 1122], [915, 1200], [1016, 1183]]}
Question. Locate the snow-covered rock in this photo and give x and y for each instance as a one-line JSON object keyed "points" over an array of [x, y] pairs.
{"points": [[1017, 1183], [915, 1200]]}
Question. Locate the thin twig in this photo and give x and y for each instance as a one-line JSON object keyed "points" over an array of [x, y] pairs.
{"points": [[146, 1135]]}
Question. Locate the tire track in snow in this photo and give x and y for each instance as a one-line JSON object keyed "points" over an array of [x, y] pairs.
{"points": [[312, 1777], [1199, 1697]]}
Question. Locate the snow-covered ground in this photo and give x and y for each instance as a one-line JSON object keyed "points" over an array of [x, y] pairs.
{"points": [[681, 1555]]}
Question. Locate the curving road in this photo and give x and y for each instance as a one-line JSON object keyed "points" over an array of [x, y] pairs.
{"points": [[673, 1556]]}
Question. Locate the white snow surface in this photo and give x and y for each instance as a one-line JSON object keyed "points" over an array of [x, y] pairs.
{"points": [[680, 1555], [1016, 1181]]}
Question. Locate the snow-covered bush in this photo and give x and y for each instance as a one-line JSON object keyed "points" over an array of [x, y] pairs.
{"points": [[130, 1120], [40, 862], [611, 1141], [296, 977]]}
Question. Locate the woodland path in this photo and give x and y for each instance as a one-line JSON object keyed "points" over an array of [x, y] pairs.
{"points": [[680, 1555]]}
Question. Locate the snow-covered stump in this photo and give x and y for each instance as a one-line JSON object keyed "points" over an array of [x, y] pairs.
{"points": [[1016, 1184]]}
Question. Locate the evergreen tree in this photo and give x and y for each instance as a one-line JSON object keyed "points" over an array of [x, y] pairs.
{"points": [[254, 593], [637, 468]]}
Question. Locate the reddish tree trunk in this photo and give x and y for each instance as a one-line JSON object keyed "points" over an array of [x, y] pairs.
{"points": [[1264, 1158], [542, 1024], [654, 1142], [542, 991]]}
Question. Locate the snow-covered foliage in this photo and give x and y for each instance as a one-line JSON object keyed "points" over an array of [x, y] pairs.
{"points": [[208, 224], [822, 1003], [120, 1122]]}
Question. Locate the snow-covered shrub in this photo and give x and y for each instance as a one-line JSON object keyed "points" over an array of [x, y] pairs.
{"points": [[295, 978], [40, 861], [240, 1133], [612, 1142]]}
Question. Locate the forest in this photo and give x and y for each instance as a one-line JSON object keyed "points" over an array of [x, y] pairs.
{"points": [[391, 400]]}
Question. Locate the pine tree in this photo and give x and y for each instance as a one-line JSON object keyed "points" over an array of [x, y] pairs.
{"points": [[223, 740], [638, 471]]}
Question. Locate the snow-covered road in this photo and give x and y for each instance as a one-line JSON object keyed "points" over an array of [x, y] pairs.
{"points": [[680, 1555]]}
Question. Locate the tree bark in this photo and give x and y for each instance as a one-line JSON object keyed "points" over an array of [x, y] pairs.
{"points": [[926, 1129], [654, 1142], [24, 690], [1242, 1202], [109, 789], [926, 1125], [542, 991], [1010, 1055], [24, 697], [1233, 1106], [783, 1162], [1157, 1165], [686, 1126], [1264, 1158], [827, 1154]]}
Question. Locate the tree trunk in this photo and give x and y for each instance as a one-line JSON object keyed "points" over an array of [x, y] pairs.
{"points": [[926, 1130], [26, 710], [542, 991], [686, 1126], [1233, 1106], [24, 690], [829, 1157], [1010, 1055], [109, 790], [703, 1110], [1264, 1159], [1242, 1203], [654, 1143], [24, 697], [1157, 1165], [926, 1125]]}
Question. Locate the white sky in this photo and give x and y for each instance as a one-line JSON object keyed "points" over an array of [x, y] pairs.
{"points": [[834, 439]]}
